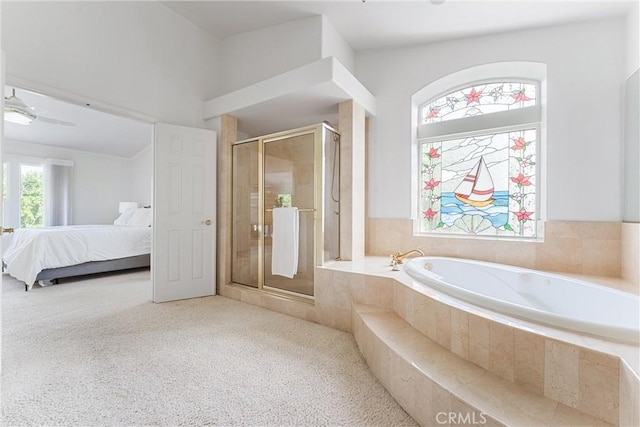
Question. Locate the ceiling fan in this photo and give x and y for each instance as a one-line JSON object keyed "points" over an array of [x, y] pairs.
{"points": [[16, 111]]}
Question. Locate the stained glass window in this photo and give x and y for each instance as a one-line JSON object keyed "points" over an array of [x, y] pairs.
{"points": [[485, 184], [479, 99], [482, 181]]}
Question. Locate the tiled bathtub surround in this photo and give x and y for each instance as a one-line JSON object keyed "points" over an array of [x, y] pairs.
{"points": [[631, 252], [578, 377], [430, 382], [580, 372], [608, 249], [629, 396]]}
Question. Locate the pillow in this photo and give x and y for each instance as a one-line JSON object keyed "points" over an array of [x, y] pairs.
{"points": [[141, 218], [124, 217]]}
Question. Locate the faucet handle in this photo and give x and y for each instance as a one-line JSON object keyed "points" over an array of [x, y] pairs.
{"points": [[395, 259]]}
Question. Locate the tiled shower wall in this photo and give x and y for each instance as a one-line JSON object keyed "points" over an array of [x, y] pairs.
{"points": [[606, 249]]}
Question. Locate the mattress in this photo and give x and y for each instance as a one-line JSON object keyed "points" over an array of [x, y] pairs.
{"points": [[35, 249]]}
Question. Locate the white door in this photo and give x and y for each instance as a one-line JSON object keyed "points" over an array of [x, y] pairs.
{"points": [[2, 71], [184, 225]]}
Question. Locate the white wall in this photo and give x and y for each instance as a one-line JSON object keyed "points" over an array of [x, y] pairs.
{"points": [[140, 56], [334, 45], [258, 55], [142, 176], [99, 182], [585, 76], [632, 27], [254, 56], [631, 163]]}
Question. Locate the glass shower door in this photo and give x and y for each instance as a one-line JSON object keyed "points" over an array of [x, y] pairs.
{"points": [[289, 171], [331, 219], [246, 227]]}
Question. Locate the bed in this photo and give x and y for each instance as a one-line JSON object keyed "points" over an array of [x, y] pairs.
{"points": [[50, 253]]}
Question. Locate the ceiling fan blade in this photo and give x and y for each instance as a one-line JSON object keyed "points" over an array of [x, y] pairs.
{"points": [[16, 111], [54, 121]]}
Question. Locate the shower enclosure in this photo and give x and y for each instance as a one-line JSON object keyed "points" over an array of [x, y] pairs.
{"points": [[298, 168]]}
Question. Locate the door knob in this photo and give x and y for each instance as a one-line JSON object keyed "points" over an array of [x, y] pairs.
{"points": [[6, 230], [206, 222]]}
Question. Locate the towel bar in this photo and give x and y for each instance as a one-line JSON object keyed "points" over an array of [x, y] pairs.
{"points": [[299, 210]]}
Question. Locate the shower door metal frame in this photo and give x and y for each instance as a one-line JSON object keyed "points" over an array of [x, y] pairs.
{"points": [[318, 209]]}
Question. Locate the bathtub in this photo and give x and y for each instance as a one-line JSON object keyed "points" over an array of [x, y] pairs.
{"points": [[544, 298]]}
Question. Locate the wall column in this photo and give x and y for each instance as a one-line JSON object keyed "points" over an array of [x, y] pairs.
{"points": [[228, 135], [351, 125]]}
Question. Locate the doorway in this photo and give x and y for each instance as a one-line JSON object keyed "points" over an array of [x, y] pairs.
{"points": [[71, 166]]}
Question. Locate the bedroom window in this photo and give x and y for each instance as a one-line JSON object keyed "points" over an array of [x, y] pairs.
{"points": [[31, 196], [477, 149]]}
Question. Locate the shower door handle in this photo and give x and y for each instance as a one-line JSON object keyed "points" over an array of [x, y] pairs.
{"points": [[206, 222]]}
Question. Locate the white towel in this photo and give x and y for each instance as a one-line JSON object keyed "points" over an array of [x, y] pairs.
{"points": [[284, 249]]}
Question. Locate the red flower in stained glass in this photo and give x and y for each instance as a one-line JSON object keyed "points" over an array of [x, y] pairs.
{"points": [[520, 96], [433, 153], [473, 96], [523, 215], [518, 143], [433, 113], [429, 213], [431, 184], [521, 180]]}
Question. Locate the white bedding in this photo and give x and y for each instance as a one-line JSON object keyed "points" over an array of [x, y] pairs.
{"points": [[35, 249]]}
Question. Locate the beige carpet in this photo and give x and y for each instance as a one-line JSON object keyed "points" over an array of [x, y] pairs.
{"points": [[97, 352]]}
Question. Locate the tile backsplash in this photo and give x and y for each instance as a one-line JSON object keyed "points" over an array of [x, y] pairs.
{"points": [[631, 252], [608, 250]]}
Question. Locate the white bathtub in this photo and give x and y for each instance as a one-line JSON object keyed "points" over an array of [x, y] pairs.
{"points": [[528, 294]]}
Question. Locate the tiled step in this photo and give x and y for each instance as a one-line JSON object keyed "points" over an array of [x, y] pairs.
{"points": [[437, 387]]}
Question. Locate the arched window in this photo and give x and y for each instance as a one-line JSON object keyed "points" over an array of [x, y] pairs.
{"points": [[478, 146]]}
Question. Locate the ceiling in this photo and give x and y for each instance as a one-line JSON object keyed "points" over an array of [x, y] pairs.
{"points": [[375, 23], [94, 131], [363, 25]]}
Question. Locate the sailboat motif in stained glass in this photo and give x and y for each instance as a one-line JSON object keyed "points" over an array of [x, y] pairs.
{"points": [[476, 189]]}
